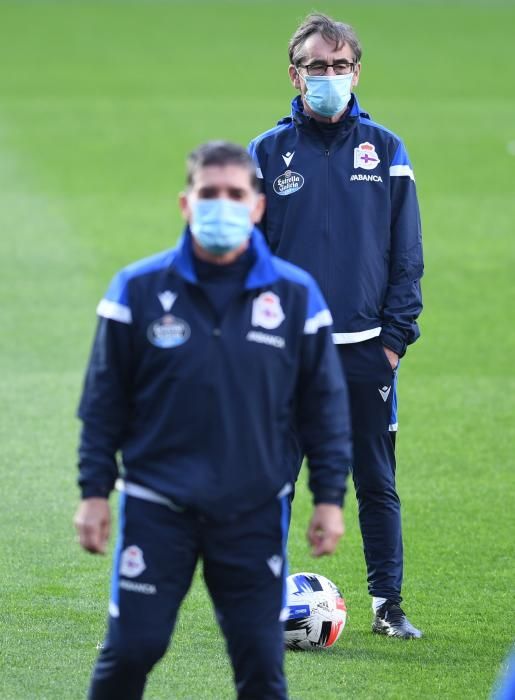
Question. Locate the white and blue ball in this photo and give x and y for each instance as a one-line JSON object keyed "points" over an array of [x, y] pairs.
{"points": [[316, 612]]}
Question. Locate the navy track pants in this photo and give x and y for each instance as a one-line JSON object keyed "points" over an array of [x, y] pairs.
{"points": [[244, 568], [373, 405]]}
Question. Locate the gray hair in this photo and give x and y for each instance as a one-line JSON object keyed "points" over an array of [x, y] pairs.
{"points": [[220, 153], [317, 23]]}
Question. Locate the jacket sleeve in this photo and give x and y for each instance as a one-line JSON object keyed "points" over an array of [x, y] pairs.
{"points": [[323, 419], [403, 298], [252, 149], [104, 404]]}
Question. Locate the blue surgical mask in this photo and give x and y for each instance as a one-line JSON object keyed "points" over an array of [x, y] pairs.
{"points": [[220, 225], [328, 95]]}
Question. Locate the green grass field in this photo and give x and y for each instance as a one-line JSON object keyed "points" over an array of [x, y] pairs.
{"points": [[99, 104]]}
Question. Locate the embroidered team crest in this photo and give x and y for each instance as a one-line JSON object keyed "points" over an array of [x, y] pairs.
{"points": [[132, 563], [168, 332], [267, 311], [365, 156]]}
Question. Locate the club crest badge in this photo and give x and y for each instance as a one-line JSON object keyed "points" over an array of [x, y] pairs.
{"points": [[288, 183], [267, 311], [132, 563], [365, 156], [168, 332]]}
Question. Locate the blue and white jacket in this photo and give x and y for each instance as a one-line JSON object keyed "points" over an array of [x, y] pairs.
{"points": [[201, 407], [348, 214]]}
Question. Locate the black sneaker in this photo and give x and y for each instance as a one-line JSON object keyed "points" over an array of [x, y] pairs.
{"points": [[391, 620]]}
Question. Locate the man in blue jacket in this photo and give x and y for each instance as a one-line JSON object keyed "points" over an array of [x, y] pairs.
{"points": [[342, 204], [203, 357]]}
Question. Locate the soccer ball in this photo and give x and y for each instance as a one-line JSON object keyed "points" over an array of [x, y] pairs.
{"points": [[316, 612]]}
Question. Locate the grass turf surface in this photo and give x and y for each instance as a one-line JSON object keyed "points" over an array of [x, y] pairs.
{"points": [[99, 103]]}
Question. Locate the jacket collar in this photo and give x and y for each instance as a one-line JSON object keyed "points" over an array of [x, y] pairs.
{"points": [[261, 273]]}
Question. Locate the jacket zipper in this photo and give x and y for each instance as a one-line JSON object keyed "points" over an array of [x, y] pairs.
{"points": [[327, 155]]}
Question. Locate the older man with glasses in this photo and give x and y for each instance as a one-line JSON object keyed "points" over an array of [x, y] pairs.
{"points": [[342, 204]]}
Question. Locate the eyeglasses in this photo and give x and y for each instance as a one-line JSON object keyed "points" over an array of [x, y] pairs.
{"points": [[339, 67]]}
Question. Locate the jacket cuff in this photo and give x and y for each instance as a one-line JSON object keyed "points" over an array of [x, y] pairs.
{"points": [[95, 490], [333, 496], [394, 341]]}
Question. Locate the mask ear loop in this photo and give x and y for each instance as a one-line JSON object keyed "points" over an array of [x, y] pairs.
{"points": [[300, 76]]}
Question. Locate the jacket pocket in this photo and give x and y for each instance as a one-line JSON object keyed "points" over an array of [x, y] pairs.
{"points": [[384, 357]]}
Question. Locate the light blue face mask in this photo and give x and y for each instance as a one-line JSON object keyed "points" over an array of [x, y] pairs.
{"points": [[328, 95], [220, 225]]}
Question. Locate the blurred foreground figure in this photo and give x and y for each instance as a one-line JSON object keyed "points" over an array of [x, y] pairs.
{"points": [[505, 686], [204, 357]]}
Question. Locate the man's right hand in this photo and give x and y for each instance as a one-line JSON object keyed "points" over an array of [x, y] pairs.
{"points": [[93, 524], [325, 529]]}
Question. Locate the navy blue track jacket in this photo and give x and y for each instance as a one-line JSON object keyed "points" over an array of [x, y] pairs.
{"points": [[348, 214], [201, 407]]}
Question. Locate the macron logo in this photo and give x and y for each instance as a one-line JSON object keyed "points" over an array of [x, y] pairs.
{"points": [[385, 393], [287, 157], [276, 564], [167, 299]]}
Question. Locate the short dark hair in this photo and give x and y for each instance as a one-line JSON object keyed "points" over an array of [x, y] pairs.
{"points": [[220, 153], [330, 29]]}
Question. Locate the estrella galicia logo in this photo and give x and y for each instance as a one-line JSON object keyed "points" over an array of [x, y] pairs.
{"points": [[168, 332], [288, 183]]}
